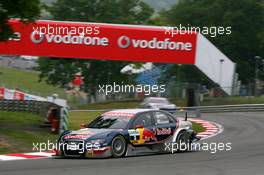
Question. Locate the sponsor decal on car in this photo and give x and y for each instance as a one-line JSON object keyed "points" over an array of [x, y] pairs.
{"points": [[118, 114], [75, 136], [163, 131], [141, 136], [84, 131]]}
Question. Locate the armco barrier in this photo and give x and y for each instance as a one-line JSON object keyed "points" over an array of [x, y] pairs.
{"points": [[64, 119], [37, 107], [228, 108], [195, 111]]}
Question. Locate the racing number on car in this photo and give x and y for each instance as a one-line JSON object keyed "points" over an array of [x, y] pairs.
{"points": [[133, 134]]}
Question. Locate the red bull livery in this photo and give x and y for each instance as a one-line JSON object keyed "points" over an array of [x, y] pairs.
{"points": [[125, 132]]}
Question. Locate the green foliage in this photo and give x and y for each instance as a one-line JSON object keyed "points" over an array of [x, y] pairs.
{"points": [[108, 11], [183, 74], [232, 100], [59, 71], [246, 17], [24, 9]]}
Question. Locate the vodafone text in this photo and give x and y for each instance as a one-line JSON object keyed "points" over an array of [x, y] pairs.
{"points": [[123, 42], [166, 44]]}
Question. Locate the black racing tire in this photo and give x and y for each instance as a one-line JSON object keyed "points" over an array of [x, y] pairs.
{"points": [[118, 146], [183, 138]]}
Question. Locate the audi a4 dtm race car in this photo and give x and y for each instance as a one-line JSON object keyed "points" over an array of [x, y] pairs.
{"points": [[120, 133]]}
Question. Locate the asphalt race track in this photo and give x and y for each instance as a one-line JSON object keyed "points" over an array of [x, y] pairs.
{"points": [[244, 130]]}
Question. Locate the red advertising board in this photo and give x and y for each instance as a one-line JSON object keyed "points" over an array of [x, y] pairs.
{"points": [[100, 41], [19, 95], [2, 92]]}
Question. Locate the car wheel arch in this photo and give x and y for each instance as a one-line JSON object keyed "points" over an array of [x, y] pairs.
{"points": [[126, 144], [176, 134]]}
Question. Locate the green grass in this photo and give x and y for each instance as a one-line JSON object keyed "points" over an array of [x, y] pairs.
{"points": [[197, 127], [19, 118], [18, 132], [233, 100], [27, 81], [22, 140], [77, 118]]}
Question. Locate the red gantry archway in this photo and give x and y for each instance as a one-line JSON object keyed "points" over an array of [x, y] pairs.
{"points": [[120, 42]]}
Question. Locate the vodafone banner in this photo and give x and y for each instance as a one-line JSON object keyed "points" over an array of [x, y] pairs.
{"points": [[10, 94], [120, 42], [100, 41]]}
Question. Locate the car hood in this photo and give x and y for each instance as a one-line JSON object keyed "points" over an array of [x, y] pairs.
{"points": [[88, 133]]}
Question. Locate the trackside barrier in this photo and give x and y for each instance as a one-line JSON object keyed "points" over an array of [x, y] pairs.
{"points": [[228, 108], [64, 119], [197, 110], [37, 107]]}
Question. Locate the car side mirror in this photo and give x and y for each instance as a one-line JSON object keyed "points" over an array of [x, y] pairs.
{"points": [[139, 126], [82, 125]]}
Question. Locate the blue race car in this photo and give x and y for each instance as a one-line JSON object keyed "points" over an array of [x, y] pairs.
{"points": [[121, 133]]}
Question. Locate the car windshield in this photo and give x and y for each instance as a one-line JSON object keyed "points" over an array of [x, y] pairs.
{"points": [[158, 100], [110, 122]]}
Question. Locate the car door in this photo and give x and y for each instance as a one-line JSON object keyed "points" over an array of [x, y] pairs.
{"points": [[142, 130], [165, 125]]}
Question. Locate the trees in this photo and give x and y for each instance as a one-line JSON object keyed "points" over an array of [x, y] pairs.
{"points": [[24, 9], [246, 17], [108, 11], [61, 71]]}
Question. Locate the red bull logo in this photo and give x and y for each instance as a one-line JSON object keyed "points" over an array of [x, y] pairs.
{"points": [[141, 136], [148, 135]]}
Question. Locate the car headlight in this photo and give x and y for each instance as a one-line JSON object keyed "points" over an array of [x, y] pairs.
{"points": [[97, 141]]}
